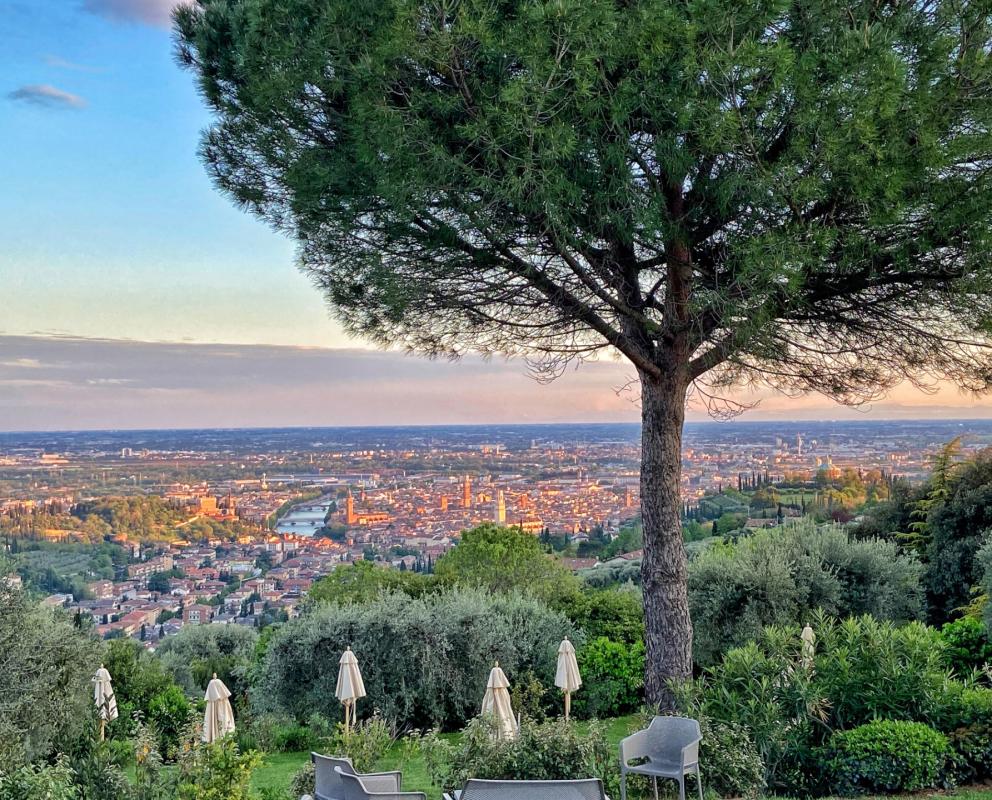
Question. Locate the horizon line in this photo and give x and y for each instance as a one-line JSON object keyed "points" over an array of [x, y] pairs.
{"points": [[883, 420]]}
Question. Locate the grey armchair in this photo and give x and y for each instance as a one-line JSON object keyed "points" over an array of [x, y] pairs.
{"points": [[586, 789], [360, 787], [329, 786], [667, 748]]}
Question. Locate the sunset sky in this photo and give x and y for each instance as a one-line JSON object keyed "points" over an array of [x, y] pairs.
{"points": [[133, 294]]}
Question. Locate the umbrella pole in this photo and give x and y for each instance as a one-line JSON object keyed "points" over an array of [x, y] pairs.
{"points": [[103, 724], [568, 704]]}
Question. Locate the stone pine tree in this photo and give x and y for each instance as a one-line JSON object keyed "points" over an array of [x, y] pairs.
{"points": [[721, 192]]}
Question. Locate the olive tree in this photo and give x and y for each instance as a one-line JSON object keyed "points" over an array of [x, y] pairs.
{"points": [[792, 193]]}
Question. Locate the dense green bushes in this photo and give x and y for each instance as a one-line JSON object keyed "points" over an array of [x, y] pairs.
{"points": [[885, 756], [424, 660], [198, 651], [863, 670], [984, 559], [779, 577], [732, 763], [47, 696], [968, 644], [612, 678]]}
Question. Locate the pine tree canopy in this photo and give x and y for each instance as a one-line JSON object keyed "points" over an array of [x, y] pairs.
{"points": [[788, 192]]}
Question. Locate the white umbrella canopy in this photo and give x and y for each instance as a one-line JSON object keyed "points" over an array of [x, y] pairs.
{"points": [[567, 676], [103, 696], [218, 719], [350, 685], [497, 702]]}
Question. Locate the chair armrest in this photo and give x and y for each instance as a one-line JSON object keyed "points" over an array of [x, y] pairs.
{"points": [[456, 795], [633, 746], [397, 795], [382, 781], [690, 753]]}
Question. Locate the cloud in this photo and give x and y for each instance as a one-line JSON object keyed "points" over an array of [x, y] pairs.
{"points": [[61, 63], [72, 383], [157, 13], [43, 94]]}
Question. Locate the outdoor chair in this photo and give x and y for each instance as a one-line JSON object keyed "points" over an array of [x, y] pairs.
{"points": [[370, 787], [668, 748], [329, 786], [588, 789]]}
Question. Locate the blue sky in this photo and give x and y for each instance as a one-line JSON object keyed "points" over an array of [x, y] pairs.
{"points": [[109, 224], [111, 235]]}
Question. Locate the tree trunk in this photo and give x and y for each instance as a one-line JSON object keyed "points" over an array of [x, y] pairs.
{"points": [[668, 629]]}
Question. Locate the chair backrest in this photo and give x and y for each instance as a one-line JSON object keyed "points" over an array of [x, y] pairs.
{"points": [[668, 735], [351, 785], [587, 789], [327, 784]]}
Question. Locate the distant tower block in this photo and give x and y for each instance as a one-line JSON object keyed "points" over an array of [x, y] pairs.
{"points": [[628, 498], [350, 517], [444, 502], [499, 508], [467, 492]]}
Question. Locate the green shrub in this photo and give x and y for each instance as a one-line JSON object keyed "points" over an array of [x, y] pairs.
{"points": [[303, 781], [194, 654], [612, 678], [169, 713], [870, 669], [983, 564], [47, 663], [217, 771], [758, 688], [863, 669], [964, 705], [554, 750], [731, 762], [616, 614], [424, 660], [781, 576], [364, 744], [38, 782], [96, 767], [968, 645], [886, 756], [972, 753], [292, 738]]}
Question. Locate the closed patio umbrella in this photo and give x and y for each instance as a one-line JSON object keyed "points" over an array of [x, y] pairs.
{"points": [[218, 719], [103, 695], [350, 686], [808, 647], [567, 676], [497, 702]]}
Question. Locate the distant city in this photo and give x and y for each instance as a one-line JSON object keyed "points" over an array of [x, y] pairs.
{"points": [[236, 525]]}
